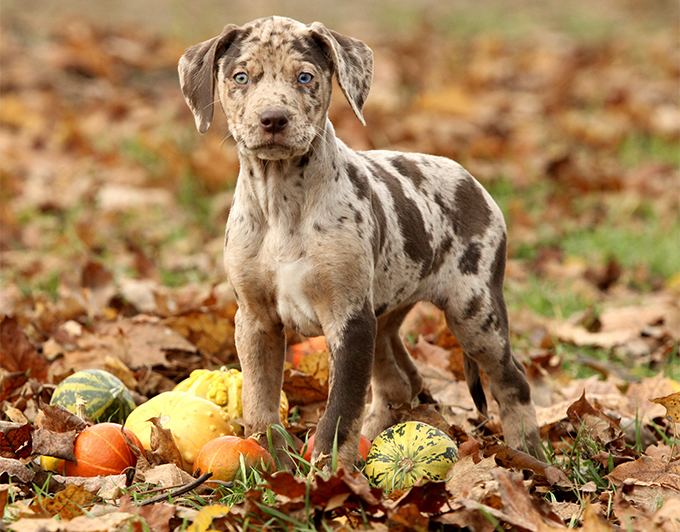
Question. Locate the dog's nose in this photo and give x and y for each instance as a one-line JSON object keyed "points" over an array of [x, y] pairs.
{"points": [[274, 120]]}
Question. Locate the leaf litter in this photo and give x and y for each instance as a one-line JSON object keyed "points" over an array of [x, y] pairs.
{"points": [[98, 275]]}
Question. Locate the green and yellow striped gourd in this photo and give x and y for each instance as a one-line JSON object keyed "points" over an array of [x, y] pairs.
{"points": [[407, 452], [96, 395]]}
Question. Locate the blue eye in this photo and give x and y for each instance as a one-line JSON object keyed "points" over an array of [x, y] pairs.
{"points": [[305, 77], [241, 78]]}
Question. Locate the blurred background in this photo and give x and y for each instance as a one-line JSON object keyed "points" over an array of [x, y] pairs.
{"points": [[113, 205]]}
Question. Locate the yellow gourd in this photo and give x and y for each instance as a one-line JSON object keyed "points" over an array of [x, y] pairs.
{"points": [[192, 420], [223, 387]]}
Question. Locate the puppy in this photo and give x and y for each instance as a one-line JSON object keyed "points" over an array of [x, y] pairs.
{"points": [[327, 240]]}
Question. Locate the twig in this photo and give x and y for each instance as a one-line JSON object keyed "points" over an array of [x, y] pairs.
{"points": [[179, 491]]}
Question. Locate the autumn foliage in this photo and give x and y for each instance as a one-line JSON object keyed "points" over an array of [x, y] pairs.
{"points": [[112, 211]]}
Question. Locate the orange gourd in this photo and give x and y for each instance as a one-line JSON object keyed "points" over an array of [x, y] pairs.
{"points": [[103, 450], [221, 457]]}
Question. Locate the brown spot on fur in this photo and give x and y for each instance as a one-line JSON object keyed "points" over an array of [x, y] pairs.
{"points": [[311, 52], [379, 225], [496, 285], [474, 383], [469, 261], [473, 307], [412, 227], [471, 214], [440, 254], [358, 180], [408, 168]]}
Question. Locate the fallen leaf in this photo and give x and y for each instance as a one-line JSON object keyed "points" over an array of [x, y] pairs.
{"points": [[15, 440], [55, 444], [303, 389], [520, 507], [107, 487], [163, 447], [15, 469], [156, 516], [166, 476], [99, 523], [672, 405], [17, 352], [70, 502], [204, 517], [56, 418]]}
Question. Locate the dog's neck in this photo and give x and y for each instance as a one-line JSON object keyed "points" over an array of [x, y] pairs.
{"points": [[279, 190]]}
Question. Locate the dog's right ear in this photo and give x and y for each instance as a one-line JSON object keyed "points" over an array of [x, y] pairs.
{"points": [[197, 74]]}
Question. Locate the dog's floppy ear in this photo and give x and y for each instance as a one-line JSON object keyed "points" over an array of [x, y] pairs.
{"points": [[353, 64], [197, 74]]}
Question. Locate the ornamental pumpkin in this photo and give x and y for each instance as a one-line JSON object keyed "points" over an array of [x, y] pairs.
{"points": [[96, 394], [222, 457], [192, 420], [103, 449], [407, 452], [224, 387]]}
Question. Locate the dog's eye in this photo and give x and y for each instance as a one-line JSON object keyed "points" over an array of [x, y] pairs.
{"points": [[305, 77], [241, 78]]}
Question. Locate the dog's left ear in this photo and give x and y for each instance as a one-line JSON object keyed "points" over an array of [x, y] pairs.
{"points": [[197, 74], [353, 63]]}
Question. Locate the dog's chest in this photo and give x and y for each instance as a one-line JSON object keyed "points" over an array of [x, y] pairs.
{"points": [[291, 272]]}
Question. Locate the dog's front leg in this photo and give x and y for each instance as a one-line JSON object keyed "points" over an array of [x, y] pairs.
{"points": [[351, 345], [260, 344]]}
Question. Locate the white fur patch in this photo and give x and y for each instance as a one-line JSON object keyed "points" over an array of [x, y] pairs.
{"points": [[293, 305]]}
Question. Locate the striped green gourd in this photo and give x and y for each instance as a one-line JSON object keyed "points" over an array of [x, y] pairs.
{"points": [[96, 394], [407, 452]]}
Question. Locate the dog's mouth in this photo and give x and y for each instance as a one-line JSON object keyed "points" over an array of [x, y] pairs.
{"points": [[274, 150]]}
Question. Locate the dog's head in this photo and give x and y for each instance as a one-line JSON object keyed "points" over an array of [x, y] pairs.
{"points": [[273, 79]]}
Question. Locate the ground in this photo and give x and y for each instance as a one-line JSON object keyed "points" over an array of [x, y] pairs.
{"points": [[112, 218]]}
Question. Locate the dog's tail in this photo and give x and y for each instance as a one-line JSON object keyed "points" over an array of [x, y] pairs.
{"points": [[474, 383]]}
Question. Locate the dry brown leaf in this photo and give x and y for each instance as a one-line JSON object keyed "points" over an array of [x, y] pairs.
{"points": [[472, 481], [56, 418], [142, 341], [520, 507], [163, 447], [672, 405], [56, 444], [17, 353], [166, 476], [70, 502], [100, 523], [15, 440], [15, 469], [303, 389], [155, 516]]}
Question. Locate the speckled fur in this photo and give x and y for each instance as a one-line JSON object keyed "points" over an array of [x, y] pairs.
{"points": [[327, 240]]}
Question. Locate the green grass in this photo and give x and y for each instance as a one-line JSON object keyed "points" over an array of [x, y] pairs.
{"points": [[544, 297], [638, 148], [652, 244]]}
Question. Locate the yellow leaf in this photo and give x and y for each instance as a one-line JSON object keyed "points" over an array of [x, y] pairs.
{"points": [[672, 405], [205, 516]]}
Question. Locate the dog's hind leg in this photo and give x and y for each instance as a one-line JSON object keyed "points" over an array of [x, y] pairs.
{"points": [[481, 326]]}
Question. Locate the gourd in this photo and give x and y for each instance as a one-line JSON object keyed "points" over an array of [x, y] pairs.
{"points": [[192, 420], [222, 457], [94, 394], [103, 449], [224, 387], [407, 452]]}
